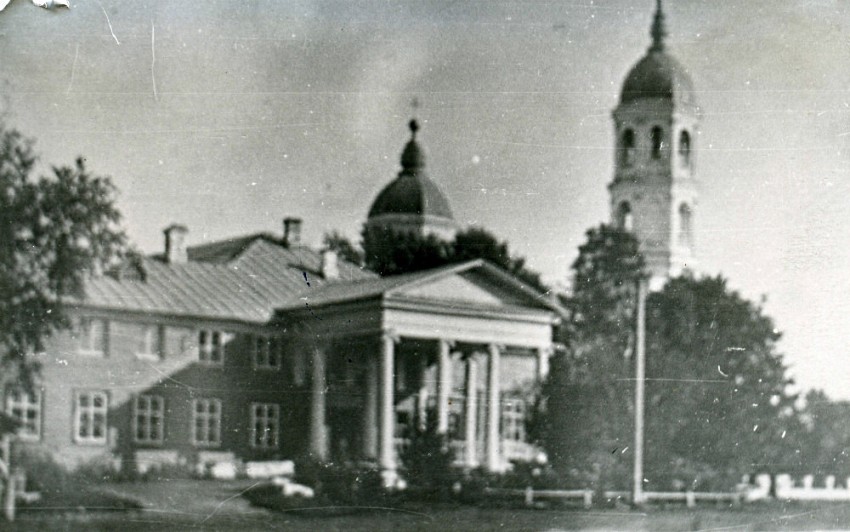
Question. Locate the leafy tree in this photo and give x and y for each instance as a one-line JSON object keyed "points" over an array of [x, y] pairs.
{"points": [[588, 397], [338, 242], [390, 252], [717, 401], [825, 443], [54, 231], [478, 243]]}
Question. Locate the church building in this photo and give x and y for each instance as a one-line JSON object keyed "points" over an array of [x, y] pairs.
{"points": [[259, 347], [654, 192]]}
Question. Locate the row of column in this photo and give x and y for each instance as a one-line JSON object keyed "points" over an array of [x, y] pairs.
{"points": [[379, 405]]}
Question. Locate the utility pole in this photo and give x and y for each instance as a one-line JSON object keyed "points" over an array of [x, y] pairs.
{"points": [[640, 375]]}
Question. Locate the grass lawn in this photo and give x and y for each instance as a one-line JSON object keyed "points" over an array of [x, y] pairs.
{"points": [[210, 505]]}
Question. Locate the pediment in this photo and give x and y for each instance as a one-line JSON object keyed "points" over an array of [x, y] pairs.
{"points": [[474, 287]]}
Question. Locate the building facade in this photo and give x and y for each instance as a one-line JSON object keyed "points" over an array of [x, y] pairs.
{"points": [[258, 347], [654, 191]]}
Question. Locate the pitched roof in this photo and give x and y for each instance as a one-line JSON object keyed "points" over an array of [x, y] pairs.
{"points": [[243, 279], [334, 293]]}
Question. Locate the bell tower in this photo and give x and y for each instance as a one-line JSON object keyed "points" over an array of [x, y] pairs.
{"points": [[654, 193]]}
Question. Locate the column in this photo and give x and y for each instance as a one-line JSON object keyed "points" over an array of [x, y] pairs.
{"points": [[543, 354], [318, 395], [387, 456], [370, 410], [444, 386], [470, 453], [422, 395], [494, 411]]}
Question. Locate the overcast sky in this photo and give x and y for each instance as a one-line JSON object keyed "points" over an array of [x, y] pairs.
{"points": [[229, 115]]}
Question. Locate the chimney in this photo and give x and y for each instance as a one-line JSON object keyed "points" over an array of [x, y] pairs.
{"points": [[175, 244], [292, 231], [330, 265]]}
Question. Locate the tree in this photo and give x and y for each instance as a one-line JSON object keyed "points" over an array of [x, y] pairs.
{"points": [[717, 400], [336, 241], [587, 425], [390, 252], [478, 243], [54, 232]]}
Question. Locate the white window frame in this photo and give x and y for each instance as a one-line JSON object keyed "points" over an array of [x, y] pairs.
{"points": [[513, 418], [209, 420], [25, 403], [86, 415], [150, 342], [151, 408], [266, 352], [210, 351], [89, 329], [267, 416]]}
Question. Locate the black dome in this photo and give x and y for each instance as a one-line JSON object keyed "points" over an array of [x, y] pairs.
{"points": [[658, 75], [412, 192]]}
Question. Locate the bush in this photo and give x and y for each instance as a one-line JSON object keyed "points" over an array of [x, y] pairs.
{"points": [[426, 464], [343, 484]]}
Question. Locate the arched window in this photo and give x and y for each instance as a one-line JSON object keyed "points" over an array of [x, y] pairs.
{"points": [[628, 147], [685, 148], [657, 142], [685, 226], [625, 220]]}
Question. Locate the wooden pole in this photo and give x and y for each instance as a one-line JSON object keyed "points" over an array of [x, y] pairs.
{"points": [[640, 375], [9, 491]]}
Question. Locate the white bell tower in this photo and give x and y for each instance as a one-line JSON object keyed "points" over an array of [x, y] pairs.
{"points": [[654, 192]]}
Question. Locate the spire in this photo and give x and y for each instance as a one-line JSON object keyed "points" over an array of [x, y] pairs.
{"points": [[412, 158], [658, 31]]}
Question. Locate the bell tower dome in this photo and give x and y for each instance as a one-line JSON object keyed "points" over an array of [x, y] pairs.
{"points": [[654, 193]]}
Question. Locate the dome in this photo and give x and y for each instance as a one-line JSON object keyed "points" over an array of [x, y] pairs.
{"points": [[412, 192], [658, 75]]}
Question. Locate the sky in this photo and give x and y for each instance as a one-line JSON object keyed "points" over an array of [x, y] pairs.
{"points": [[228, 116]]}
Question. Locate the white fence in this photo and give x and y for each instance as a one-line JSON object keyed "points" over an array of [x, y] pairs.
{"points": [[802, 490], [690, 498]]}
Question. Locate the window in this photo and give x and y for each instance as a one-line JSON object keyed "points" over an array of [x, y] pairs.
{"points": [[25, 408], [150, 342], [657, 142], [91, 337], [265, 425], [211, 347], [625, 219], [266, 352], [90, 417], [685, 149], [513, 420], [206, 422], [628, 147], [148, 419], [685, 229]]}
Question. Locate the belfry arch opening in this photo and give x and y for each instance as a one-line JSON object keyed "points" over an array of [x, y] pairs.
{"points": [[657, 138], [685, 148], [625, 219], [627, 147]]}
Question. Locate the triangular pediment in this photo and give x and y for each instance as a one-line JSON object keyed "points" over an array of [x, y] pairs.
{"points": [[477, 286]]}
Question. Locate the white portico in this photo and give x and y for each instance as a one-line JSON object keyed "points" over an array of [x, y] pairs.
{"points": [[467, 341]]}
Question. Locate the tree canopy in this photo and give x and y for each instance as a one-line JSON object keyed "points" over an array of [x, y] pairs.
{"points": [[388, 252], [717, 400], [54, 231]]}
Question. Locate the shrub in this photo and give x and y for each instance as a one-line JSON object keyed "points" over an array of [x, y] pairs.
{"points": [[427, 463]]}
